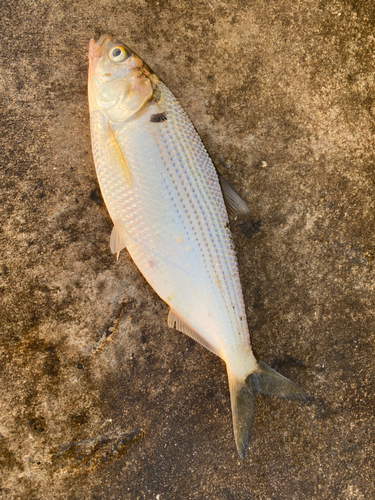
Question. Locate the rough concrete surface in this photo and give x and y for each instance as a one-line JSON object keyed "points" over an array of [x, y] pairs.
{"points": [[99, 398]]}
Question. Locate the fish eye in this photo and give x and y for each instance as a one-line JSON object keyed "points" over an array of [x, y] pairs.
{"points": [[117, 54]]}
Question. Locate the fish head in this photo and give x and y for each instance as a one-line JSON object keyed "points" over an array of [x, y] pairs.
{"points": [[120, 83]]}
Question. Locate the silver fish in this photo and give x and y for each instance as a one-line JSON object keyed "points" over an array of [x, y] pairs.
{"points": [[166, 202]]}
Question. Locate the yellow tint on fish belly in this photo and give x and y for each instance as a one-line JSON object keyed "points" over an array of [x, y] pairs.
{"points": [[169, 210]]}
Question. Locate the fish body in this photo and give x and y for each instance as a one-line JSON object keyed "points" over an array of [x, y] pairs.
{"points": [[163, 194]]}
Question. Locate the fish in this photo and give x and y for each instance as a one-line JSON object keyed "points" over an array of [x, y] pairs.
{"points": [[169, 208]]}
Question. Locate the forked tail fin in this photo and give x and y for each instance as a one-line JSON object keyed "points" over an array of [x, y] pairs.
{"points": [[243, 404], [266, 381]]}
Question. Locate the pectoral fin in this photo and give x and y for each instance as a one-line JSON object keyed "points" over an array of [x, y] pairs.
{"points": [[109, 158], [120, 238], [236, 206], [117, 158]]}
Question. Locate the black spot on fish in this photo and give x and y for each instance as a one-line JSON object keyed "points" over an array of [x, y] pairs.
{"points": [[158, 117]]}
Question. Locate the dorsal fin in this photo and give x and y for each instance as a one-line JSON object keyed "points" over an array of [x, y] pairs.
{"points": [[175, 322], [236, 206]]}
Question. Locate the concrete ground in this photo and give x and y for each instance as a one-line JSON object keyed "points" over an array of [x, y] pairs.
{"points": [[99, 398]]}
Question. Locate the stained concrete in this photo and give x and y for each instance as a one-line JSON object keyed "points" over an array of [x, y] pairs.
{"points": [[99, 398]]}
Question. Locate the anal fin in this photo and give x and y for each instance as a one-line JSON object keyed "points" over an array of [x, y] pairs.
{"points": [[175, 322]]}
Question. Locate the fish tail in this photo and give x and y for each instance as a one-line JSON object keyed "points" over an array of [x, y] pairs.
{"points": [[243, 405], [266, 381]]}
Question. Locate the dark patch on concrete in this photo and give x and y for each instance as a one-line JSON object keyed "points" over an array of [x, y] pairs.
{"points": [[8, 459], [226, 163], [250, 227], [79, 418], [285, 363], [96, 451], [37, 424], [96, 195], [52, 362], [111, 324]]}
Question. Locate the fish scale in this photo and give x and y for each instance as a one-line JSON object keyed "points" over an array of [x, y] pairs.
{"points": [[163, 194]]}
